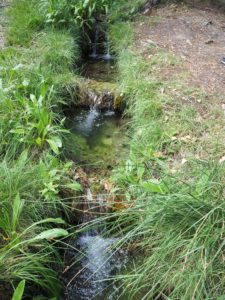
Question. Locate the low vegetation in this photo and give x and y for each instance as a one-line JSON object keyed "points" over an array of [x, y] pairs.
{"points": [[36, 70], [171, 186]]}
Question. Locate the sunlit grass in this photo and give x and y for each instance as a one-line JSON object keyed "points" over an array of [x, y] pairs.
{"points": [[172, 183]]}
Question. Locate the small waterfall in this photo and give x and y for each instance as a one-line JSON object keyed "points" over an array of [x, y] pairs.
{"points": [[107, 55], [86, 120], [94, 53], [90, 120], [86, 207], [88, 278]]}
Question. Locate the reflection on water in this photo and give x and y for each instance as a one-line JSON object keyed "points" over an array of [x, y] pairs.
{"points": [[95, 136], [86, 121], [100, 70]]}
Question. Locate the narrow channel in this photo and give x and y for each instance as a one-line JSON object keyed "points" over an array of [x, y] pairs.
{"points": [[97, 142]]}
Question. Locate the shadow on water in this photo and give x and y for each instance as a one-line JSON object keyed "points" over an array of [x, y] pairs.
{"points": [[100, 70]]}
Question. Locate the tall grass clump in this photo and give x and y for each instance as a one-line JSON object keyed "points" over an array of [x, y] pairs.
{"points": [[24, 21], [177, 230], [36, 68], [171, 219], [30, 205]]}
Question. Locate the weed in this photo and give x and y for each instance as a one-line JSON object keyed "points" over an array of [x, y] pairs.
{"points": [[25, 224]]}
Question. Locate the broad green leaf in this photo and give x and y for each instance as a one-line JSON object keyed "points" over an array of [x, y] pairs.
{"points": [[18, 131], [140, 171], [33, 98], [17, 208], [76, 186], [50, 234], [18, 294], [48, 220], [55, 143], [23, 158], [38, 141], [153, 186]]}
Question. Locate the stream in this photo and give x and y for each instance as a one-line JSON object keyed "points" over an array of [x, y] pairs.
{"points": [[97, 142]]}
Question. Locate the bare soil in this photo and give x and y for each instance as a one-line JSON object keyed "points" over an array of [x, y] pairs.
{"points": [[3, 5], [197, 35]]}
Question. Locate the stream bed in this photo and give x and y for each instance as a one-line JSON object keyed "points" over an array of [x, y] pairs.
{"points": [[97, 142], [96, 137]]}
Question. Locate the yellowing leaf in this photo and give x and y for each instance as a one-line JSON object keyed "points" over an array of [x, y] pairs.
{"points": [[50, 234]]}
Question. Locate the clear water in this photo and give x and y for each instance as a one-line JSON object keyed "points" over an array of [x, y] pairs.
{"points": [[96, 137], [100, 70]]}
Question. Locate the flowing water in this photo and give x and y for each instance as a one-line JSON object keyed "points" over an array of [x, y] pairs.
{"points": [[96, 137], [91, 277], [94, 53], [97, 45], [92, 256], [97, 140]]}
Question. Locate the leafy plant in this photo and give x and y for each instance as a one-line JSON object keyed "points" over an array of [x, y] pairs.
{"points": [[80, 13], [18, 294], [28, 223], [36, 125]]}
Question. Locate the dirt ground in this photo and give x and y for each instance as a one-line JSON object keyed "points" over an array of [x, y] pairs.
{"points": [[196, 35], [3, 5]]}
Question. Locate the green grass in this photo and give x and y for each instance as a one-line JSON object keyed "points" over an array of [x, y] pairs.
{"points": [[24, 22], [37, 68], [29, 208], [120, 31], [34, 81], [177, 231], [172, 183]]}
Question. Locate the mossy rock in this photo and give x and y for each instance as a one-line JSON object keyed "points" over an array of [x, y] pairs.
{"points": [[104, 95]]}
